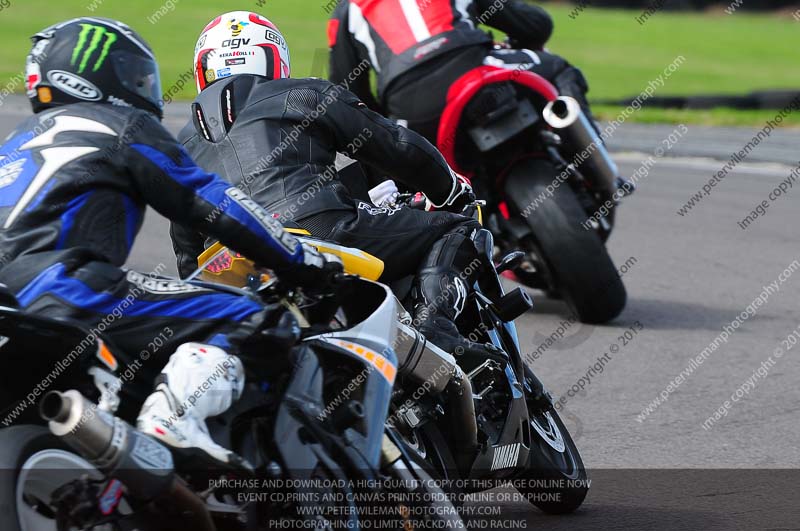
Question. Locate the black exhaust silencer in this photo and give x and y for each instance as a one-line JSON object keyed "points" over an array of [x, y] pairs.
{"points": [[582, 144], [143, 464]]}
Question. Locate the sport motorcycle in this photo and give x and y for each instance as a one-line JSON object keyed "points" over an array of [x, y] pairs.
{"points": [[551, 186], [476, 421], [315, 453]]}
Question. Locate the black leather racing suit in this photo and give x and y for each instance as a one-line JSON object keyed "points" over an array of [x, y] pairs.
{"points": [[278, 139], [74, 184], [418, 53]]}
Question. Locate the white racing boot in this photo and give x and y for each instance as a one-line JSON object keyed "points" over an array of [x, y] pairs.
{"points": [[198, 382]]}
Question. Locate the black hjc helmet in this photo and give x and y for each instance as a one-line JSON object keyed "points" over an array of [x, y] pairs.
{"points": [[92, 60]]}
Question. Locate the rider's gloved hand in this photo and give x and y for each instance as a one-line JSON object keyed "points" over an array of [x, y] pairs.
{"points": [[461, 196], [316, 273], [384, 194]]}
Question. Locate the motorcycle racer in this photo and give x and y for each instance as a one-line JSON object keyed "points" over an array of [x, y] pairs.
{"points": [[278, 138], [418, 49], [75, 179]]}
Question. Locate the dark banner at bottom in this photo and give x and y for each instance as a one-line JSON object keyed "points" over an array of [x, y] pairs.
{"points": [[617, 499]]}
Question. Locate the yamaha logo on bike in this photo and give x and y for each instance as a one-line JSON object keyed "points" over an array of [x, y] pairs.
{"points": [[505, 456]]}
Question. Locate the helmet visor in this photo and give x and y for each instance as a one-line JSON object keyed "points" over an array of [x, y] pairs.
{"points": [[139, 75]]}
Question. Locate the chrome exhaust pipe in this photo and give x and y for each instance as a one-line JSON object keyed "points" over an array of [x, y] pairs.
{"points": [[435, 370], [107, 442], [421, 361], [116, 448], [583, 145]]}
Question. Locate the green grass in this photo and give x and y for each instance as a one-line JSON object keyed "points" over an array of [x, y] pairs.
{"points": [[716, 117], [728, 54], [173, 37], [724, 54]]}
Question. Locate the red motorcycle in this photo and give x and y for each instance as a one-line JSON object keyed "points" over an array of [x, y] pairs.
{"points": [[551, 186]]}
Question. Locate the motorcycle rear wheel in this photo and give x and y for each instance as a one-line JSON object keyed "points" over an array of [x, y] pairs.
{"points": [[34, 464], [575, 258]]}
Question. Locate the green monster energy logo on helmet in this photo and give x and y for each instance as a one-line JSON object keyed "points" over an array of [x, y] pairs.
{"points": [[97, 33]]}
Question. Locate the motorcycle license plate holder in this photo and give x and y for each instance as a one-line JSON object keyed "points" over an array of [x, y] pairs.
{"points": [[498, 131]]}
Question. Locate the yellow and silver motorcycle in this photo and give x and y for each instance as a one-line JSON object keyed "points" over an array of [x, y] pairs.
{"points": [[477, 422]]}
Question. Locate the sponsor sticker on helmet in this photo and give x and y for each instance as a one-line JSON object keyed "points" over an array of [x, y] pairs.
{"points": [[275, 37], [223, 72], [119, 102], [74, 85], [38, 49], [90, 40], [237, 53], [45, 94], [33, 77], [236, 26], [235, 43], [200, 43], [236, 61], [211, 76]]}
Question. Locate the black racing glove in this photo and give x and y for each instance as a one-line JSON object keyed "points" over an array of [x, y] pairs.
{"points": [[461, 196], [317, 272]]}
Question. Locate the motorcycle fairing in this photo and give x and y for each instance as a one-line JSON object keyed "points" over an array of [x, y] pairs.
{"points": [[224, 266], [466, 87]]}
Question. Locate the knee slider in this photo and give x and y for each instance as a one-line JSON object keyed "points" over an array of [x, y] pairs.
{"points": [[455, 249]]}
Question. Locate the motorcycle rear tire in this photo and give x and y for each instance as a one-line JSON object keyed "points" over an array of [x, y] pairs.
{"points": [[18, 444], [576, 258]]}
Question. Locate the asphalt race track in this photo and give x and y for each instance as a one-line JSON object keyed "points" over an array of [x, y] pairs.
{"points": [[687, 277]]}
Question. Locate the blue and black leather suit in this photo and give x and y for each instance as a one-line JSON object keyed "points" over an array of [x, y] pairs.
{"points": [[74, 185]]}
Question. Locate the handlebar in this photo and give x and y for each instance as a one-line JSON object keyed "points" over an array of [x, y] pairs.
{"points": [[411, 201]]}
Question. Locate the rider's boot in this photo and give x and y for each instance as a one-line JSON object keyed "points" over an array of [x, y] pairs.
{"points": [[442, 287], [440, 329], [198, 382]]}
